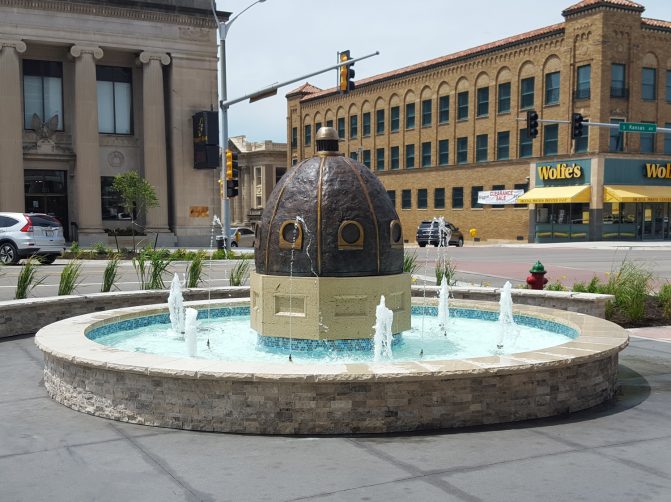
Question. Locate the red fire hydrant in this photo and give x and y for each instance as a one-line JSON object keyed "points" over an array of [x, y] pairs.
{"points": [[537, 278]]}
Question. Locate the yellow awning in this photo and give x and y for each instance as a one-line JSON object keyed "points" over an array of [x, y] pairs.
{"points": [[556, 195], [626, 193]]}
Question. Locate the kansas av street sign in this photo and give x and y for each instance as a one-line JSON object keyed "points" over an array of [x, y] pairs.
{"points": [[637, 127]]}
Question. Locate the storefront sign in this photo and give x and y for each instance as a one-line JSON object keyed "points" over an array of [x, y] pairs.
{"points": [[657, 171], [560, 171], [496, 197]]}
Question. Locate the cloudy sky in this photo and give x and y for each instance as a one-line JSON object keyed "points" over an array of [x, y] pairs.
{"points": [[279, 40]]}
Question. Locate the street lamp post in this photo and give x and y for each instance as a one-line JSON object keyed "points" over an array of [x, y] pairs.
{"points": [[222, 29]]}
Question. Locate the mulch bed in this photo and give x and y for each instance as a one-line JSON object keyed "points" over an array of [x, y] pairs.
{"points": [[654, 316]]}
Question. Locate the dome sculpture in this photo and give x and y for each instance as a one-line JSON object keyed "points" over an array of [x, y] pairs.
{"points": [[329, 245]]}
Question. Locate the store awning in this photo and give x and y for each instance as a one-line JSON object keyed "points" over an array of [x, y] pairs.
{"points": [[626, 193], [556, 195]]}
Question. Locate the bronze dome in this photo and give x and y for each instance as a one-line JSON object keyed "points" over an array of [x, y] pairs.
{"points": [[329, 216]]}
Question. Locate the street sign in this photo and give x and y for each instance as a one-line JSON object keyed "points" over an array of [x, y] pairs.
{"points": [[637, 127]]}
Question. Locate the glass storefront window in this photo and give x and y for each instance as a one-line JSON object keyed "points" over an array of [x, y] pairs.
{"points": [[562, 222]]}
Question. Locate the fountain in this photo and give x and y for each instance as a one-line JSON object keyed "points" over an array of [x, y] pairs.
{"points": [[176, 306], [329, 341]]}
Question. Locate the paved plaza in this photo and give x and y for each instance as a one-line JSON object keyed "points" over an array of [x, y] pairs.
{"points": [[618, 452]]}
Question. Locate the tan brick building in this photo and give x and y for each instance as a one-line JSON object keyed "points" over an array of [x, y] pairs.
{"points": [[114, 85], [440, 132]]}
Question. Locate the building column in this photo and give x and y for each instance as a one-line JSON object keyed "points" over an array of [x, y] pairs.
{"points": [[155, 162], [11, 127], [86, 141], [247, 191]]}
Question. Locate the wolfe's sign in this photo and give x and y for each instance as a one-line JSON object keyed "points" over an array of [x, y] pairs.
{"points": [[657, 171], [560, 172]]}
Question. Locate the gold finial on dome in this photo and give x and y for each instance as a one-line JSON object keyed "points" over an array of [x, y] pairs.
{"points": [[327, 141]]}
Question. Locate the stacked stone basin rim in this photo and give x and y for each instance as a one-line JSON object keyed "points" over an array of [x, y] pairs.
{"points": [[314, 398]]}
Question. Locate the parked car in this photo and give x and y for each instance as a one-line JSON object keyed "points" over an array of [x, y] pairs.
{"points": [[30, 234], [240, 237], [428, 233]]}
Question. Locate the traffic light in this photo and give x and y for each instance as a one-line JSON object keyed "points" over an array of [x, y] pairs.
{"points": [[346, 73], [532, 124], [231, 165], [576, 125], [232, 188]]}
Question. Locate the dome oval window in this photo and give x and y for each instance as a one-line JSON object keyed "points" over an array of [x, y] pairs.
{"points": [[350, 235], [291, 235], [395, 234]]}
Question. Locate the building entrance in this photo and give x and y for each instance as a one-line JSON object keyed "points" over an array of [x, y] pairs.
{"points": [[654, 221], [46, 192]]}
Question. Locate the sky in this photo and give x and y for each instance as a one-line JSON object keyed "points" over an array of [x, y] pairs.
{"points": [[279, 40]]}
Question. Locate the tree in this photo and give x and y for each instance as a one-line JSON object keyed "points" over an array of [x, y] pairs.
{"points": [[137, 195]]}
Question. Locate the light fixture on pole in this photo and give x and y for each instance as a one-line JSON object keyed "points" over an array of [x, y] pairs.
{"points": [[222, 29]]}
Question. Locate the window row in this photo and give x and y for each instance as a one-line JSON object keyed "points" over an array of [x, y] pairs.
{"points": [[43, 96], [457, 202]]}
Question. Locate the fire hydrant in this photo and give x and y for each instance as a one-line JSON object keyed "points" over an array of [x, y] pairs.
{"points": [[537, 278]]}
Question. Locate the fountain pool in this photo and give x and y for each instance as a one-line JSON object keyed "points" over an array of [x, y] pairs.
{"points": [[306, 396]]}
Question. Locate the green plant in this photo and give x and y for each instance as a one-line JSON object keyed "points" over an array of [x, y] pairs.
{"points": [[664, 298], [194, 270], [410, 264], [555, 286], [238, 274], [222, 254], [445, 270], [150, 270], [110, 275], [137, 195], [629, 285], [75, 249], [183, 254], [69, 278], [27, 279], [100, 248]]}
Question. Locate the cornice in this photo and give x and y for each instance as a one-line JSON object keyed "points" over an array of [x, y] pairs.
{"points": [[91, 9]]}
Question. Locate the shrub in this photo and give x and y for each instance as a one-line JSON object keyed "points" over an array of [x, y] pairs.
{"points": [[27, 280], [630, 285], [221, 254], [238, 274], [110, 275], [69, 278], [555, 286], [445, 270], [410, 264], [100, 248], [194, 271], [664, 297], [75, 249]]}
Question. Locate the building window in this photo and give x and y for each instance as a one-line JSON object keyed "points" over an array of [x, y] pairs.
{"points": [[474, 197], [409, 156], [439, 198], [294, 162], [481, 146], [647, 142], [395, 118], [115, 100], [42, 91], [329, 123], [649, 84], [495, 188], [521, 186], [354, 155], [379, 159], [353, 126], [341, 128], [668, 86], [462, 105], [584, 82], [422, 198], [392, 197], [294, 137], [318, 125], [551, 139], [426, 154], [444, 109], [483, 102], [504, 98], [112, 205], [443, 152], [552, 88], [667, 140], [308, 135], [366, 158], [582, 142], [617, 82], [366, 124], [427, 105], [503, 145], [395, 154], [379, 122], [526, 144], [615, 143], [457, 197], [462, 150], [527, 93], [406, 199], [410, 116]]}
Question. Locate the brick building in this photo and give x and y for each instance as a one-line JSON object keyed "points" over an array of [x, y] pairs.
{"points": [[440, 132], [93, 88]]}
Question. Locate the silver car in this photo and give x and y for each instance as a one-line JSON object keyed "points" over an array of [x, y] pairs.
{"points": [[30, 234], [242, 237]]}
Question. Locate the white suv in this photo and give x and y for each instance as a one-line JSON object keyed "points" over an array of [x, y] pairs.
{"points": [[30, 234]]}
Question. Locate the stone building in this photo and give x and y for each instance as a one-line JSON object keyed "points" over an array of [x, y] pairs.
{"points": [[441, 132], [260, 165], [94, 88]]}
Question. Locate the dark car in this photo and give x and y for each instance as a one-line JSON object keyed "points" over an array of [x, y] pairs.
{"points": [[428, 233]]}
